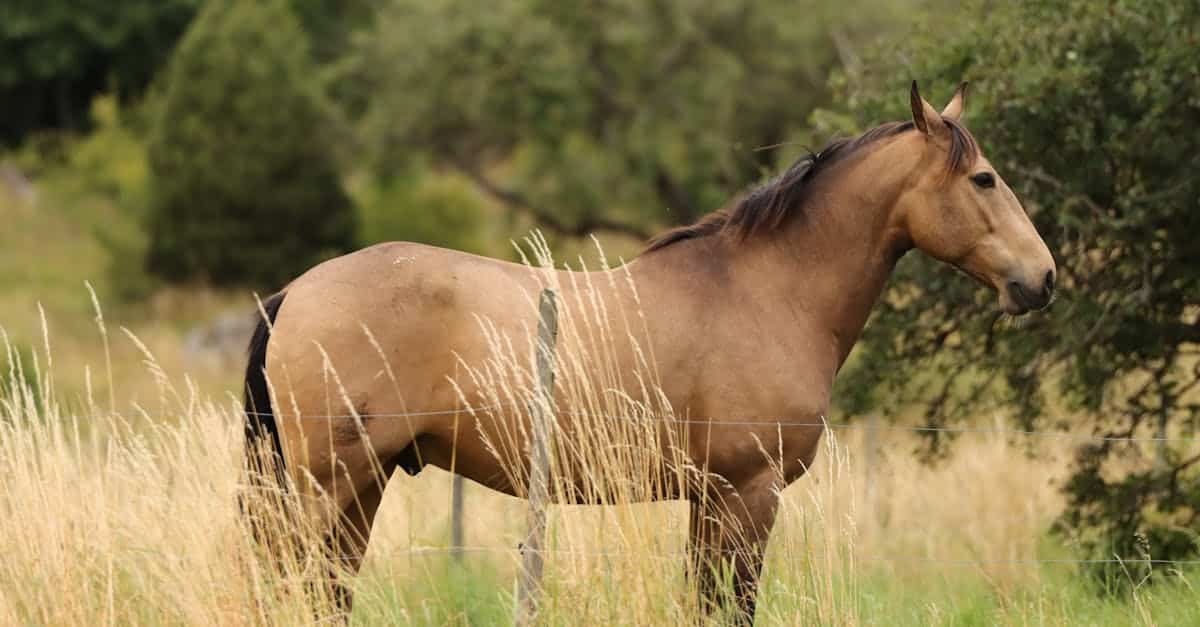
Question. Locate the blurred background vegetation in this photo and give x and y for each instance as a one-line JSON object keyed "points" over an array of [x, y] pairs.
{"points": [[178, 154]]}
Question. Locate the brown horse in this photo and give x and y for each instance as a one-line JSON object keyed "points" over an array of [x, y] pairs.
{"points": [[749, 315]]}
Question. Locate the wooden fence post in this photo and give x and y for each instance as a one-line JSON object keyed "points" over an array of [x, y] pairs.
{"points": [[542, 415]]}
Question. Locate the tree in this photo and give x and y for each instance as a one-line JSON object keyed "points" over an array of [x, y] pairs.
{"points": [[59, 54], [331, 23], [1089, 110], [619, 116], [243, 187]]}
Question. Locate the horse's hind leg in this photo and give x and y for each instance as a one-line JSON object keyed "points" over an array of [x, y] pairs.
{"points": [[343, 482], [348, 540]]}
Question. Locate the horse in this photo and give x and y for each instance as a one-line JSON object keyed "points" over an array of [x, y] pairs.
{"points": [[749, 315]]}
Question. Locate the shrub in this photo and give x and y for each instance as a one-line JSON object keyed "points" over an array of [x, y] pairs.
{"points": [[244, 190], [1089, 110]]}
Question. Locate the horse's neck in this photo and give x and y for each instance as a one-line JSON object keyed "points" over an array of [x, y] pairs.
{"points": [[839, 252], [829, 264]]}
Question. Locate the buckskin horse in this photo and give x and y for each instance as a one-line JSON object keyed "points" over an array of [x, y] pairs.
{"points": [[749, 314]]}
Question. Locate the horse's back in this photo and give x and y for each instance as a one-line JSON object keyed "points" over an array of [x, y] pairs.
{"points": [[387, 325]]}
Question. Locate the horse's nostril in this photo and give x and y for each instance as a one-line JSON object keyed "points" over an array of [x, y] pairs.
{"points": [[1028, 296], [1017, 294], [1049, 287]]}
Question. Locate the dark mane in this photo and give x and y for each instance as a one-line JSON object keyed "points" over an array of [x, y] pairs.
{"points": [[771, 204]]}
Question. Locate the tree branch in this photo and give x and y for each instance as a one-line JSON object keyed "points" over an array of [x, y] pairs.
{"points": [[1038, 174], [845, 51], [544, 216]]}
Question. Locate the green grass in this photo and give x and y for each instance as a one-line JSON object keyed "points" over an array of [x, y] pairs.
{"points": [[440, 591]]}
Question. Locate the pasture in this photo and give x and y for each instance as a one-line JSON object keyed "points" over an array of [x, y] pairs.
{"points": [[875, 312], [132, 519]]}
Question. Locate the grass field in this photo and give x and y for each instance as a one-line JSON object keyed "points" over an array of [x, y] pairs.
{"points": [[131, 518], [120, 484]]}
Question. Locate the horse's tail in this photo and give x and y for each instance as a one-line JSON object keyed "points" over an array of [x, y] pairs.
{"points": [[260, 419]]}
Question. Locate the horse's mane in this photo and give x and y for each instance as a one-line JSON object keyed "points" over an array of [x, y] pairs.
{"points": [[768, 206]]}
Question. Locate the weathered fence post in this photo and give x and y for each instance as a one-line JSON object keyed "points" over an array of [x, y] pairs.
{"points": [[542, 415]]}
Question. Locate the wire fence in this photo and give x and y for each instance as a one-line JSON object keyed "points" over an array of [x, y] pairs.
{"points": [[870, 558], [780, 423], [515, 553]]}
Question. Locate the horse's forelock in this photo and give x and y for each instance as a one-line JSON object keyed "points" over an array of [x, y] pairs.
{"points": [[964, 150]]}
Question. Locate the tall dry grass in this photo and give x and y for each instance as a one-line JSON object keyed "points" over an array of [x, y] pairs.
{"points": [[105, 522], [132, 517]]}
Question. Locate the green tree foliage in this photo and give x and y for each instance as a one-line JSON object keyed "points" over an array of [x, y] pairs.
{"points": [[621, 115], [330, 23], [243, 187], [57, 54], [1090, 111], [331, 27], [419, 205]]}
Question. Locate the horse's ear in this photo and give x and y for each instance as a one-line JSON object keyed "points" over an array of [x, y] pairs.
{"points": [[924, 115], [954, 109]]}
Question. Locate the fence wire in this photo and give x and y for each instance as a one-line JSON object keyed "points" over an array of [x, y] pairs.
{"points": [[516, 551], [781, 423]]}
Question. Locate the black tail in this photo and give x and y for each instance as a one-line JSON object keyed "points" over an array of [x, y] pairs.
{"points": [[260, 420]]}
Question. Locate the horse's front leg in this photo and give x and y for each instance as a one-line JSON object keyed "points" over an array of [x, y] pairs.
{"points": [[730, 525]]}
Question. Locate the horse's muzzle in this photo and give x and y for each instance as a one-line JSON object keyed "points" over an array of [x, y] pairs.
{"points": [[1032, 298]]}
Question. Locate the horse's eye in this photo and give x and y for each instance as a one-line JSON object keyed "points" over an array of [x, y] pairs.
{"points": [[984, 180]]}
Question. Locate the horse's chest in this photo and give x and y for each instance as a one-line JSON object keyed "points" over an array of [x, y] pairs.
{"points": [[799, 450]]}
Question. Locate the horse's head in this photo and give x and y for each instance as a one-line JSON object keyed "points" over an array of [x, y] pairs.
{"points": [[957, 209]]}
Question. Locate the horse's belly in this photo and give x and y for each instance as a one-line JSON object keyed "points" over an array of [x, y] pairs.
{"points": [[576, 478]]}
